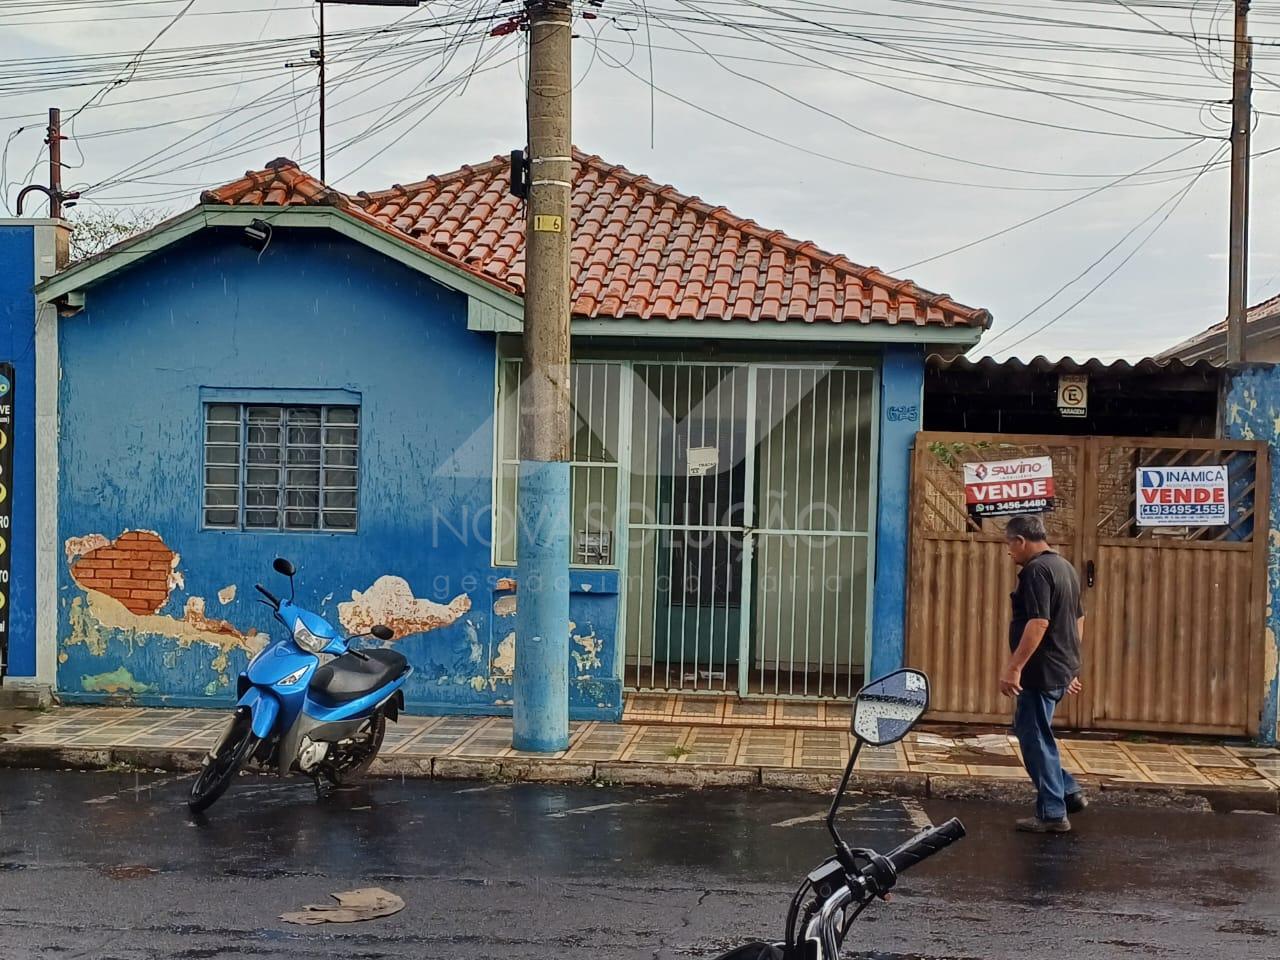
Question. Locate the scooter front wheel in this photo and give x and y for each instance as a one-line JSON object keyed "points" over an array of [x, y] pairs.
{"points": [[221, 767]]}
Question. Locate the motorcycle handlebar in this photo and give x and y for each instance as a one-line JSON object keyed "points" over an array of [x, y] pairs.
{"points": [[275, 602], [925, 845]]}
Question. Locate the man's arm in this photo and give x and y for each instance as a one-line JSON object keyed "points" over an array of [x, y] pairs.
{"points": [[1032, 636], [1076, 686]]}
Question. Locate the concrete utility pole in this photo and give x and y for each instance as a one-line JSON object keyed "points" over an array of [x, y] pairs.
{"points": [[542, 620], [1241, 122]]}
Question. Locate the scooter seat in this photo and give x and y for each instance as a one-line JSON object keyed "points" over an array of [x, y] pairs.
{"points": [[349, 677]]}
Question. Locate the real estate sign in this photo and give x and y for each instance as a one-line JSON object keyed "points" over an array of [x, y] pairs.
{"points": [[1002, 488], [1182, 496]]}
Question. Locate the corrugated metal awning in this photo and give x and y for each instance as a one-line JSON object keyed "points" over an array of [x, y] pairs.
{"points": [[1146, 366]]}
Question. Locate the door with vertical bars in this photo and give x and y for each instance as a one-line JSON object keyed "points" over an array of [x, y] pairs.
{"points": [[750, 505]]}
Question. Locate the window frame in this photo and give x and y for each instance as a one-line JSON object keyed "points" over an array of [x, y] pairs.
{"points": [[503, 464], [284, 405]]}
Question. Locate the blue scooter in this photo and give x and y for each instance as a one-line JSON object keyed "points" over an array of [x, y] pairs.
{"points": [[307, 702]]}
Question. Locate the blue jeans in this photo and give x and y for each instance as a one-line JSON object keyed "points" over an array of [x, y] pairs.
{"points": [[1033, 726]]}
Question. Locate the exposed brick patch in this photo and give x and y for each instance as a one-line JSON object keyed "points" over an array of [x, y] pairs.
{"points": [[134, 569]]}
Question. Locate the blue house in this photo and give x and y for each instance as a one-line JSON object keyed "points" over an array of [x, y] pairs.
{"points": [[287, 370]]}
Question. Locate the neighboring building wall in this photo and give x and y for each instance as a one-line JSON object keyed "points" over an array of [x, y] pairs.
{"points": [[901, 396], [160, 610], [1252, 412], [27, 253], [1264, 351]]}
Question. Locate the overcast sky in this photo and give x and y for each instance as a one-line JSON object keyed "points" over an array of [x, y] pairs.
{"points": [[891, 131]]}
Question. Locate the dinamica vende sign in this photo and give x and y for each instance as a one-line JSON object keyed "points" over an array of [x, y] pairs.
{"points": [[1182, 496], [1001, 488]]}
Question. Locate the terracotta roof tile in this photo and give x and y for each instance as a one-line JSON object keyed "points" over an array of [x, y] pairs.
{"points": [[641, 250]]}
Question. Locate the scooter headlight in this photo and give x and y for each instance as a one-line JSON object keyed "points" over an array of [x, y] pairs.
{"points": [[306, 639]]}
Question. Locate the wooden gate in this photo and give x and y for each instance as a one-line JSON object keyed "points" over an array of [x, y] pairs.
{"points": [[1173, 632]]}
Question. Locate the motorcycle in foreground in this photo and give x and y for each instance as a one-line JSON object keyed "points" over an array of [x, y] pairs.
{"points": [[307, 702], [833, 895]]}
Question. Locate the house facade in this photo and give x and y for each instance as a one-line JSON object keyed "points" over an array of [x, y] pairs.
{"points": [[289, 371]]}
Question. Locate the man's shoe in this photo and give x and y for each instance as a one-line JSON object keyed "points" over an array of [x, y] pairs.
{"points": [[1076, 802], [1036, 825]]}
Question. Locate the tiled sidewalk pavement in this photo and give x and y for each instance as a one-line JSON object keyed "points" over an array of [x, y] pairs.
{"points": [[685, 753]]}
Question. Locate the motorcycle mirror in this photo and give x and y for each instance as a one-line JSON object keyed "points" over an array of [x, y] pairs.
{"points": [[283, 566], [382, 633], [885, 710]]}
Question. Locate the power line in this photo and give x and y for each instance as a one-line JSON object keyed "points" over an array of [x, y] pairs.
{"points": [[132, 68], [1177, 202], [1039, 216]]}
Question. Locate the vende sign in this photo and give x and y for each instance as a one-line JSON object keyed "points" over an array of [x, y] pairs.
{"points": [[1182, 496], [1005, 487]]}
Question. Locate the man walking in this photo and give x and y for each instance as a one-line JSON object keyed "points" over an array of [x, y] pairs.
{"points": [[1043, 667]]}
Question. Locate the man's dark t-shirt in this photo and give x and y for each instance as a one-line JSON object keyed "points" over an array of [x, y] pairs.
{"points": [[1048, 589]]}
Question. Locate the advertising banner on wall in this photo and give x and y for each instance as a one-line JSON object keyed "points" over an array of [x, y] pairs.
{"points": [[1182, 496], [1003, 488]]}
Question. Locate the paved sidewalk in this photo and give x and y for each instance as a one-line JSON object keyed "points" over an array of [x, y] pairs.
{"points": [[1200, 774]]}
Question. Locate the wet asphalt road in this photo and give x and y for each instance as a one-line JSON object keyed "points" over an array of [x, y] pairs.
{"points": [[111, 867]]}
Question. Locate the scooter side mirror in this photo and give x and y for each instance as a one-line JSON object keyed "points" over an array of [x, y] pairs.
{"points": [[885, 710], [283, 566], [382, 633]]}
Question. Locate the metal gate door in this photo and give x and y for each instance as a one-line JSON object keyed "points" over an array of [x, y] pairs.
{"points": [[687, 520], [961, 577], [815, 498], [749, 543], [1173, 628]]}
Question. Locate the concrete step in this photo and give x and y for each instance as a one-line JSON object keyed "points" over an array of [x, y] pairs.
{"points": [[25, 697]]}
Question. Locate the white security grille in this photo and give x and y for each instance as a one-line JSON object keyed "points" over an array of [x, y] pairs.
{"points": [[749, 528]]}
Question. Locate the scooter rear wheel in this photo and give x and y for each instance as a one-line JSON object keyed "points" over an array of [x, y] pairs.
{"points": [[221, 768], [356, 759]]}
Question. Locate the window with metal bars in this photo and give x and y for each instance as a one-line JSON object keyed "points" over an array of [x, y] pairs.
{"points": [[594, 475], [275, 467]]}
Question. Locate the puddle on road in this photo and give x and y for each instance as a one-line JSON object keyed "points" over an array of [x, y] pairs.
{"points": [[131, 871]]}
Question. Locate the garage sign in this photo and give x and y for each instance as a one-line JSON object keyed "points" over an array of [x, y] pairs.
{"points": [[1182, 496], [1002, 488]]}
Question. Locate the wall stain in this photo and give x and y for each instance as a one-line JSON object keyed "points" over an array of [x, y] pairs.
{"points": [[390, 602], [589, 658], [119, 680]]}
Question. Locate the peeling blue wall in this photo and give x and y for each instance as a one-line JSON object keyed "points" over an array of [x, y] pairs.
{"points": [[1252, 412], [315, 312], [17, 346], [901, 399]]}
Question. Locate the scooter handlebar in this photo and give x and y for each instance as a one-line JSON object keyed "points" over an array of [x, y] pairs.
{"points": [[275, 601], [925, 845]]}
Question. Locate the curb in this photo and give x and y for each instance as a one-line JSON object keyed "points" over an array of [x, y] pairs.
{"points": [[1251, 797]]}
